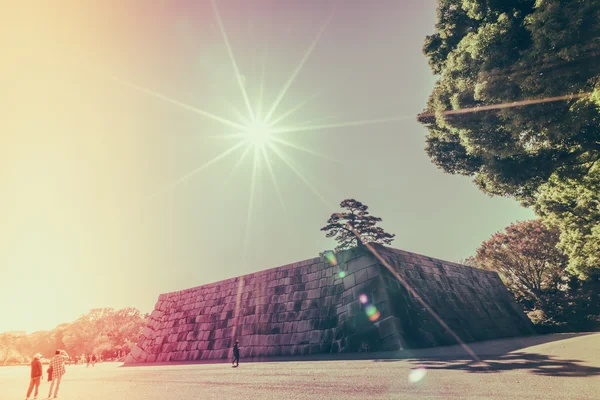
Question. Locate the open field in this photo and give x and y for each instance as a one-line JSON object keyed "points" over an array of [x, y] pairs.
{"points": [[543, 367]]}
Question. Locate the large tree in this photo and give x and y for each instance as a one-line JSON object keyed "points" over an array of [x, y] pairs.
{"points": [[344, 226], [105, 330], [527, 259], [491, 52], [532, 266]]}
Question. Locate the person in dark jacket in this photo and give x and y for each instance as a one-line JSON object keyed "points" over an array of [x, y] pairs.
{"points": [[236, 354], [36, 376]]}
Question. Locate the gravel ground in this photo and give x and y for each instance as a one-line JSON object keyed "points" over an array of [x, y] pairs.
{"points": [[554, 367]]}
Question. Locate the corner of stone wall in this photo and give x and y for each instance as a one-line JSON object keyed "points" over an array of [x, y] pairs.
{"points": [[475, 304], [369, 326], [137, 355]]}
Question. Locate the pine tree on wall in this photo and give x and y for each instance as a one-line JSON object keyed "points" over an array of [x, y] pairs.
{"points": [[356, 218]]}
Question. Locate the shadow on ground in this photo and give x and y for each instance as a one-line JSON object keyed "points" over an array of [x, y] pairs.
{"points": [[492, 349], [539, 364], [486, 348]]}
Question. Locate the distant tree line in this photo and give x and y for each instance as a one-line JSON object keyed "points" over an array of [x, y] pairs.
{"points": [[103, 332]]}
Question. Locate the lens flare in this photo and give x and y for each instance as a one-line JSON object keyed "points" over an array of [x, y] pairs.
{"points": [[372, 312], [342, 274], [363, 298], [417, 374], [331, 258]]}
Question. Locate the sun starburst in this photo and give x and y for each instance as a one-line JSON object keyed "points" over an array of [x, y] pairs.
{"points": [[260, 134]]}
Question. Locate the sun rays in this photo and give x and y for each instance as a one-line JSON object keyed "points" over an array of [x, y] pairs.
{"points": [[298, 68], [261, 136], [233, 62], [259, 132]]}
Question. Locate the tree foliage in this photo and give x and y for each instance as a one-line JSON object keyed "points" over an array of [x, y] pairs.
{"points": [[490, 52], [357, 216], [533, 267], [102, 331], [8, 349], [527, 259], [573, 206]]}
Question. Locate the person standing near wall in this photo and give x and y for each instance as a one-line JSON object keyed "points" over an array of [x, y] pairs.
{"points": [[236, 354]]}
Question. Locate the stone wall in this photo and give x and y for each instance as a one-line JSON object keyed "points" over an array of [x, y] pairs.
{"points": [[348, 303], [473, 303]]}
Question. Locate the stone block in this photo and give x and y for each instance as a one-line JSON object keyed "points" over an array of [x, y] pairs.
{"points": [[130, 359], [374, 271], [315, 336], [303, 325], [360, 263], [394, 342], [355, 308], [349, 281], [285, 339], [136, 352], [361, 276], [156, 314], [265, 318], [388, 327]]}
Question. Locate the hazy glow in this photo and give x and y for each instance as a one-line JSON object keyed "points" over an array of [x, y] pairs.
{"points": [[274, 139], [340, 124], [292, 78], [180, 104], [417, 374], [294, 168], [255, 165], [258, 134], [200, 168], [82, 151], [272, 174]]}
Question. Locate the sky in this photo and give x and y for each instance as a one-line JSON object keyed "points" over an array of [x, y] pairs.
{"points": [[117, 178]]}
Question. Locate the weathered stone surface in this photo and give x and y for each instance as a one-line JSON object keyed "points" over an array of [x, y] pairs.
{"points": [[308, 308]]}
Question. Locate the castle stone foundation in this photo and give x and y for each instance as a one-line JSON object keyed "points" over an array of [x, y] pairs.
{"points": [[316, 306]]}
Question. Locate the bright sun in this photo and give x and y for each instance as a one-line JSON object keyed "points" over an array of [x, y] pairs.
{"points": [[259, 131], [258, 134]]}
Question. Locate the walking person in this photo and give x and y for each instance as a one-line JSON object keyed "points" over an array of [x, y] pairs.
{"points": [[36, 376], [57, 365], [236, 354]]}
